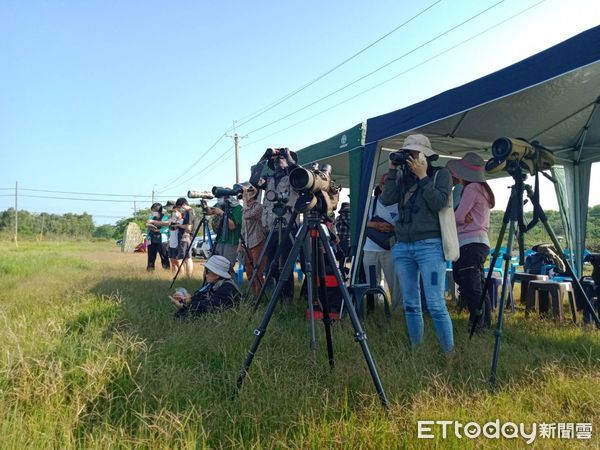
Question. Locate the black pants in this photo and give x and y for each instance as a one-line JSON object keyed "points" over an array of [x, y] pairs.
{"points": [[286, 248], [469, 275], [161, 249]]}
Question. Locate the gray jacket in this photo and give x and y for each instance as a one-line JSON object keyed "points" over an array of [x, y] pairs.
{"points": [[419, 202], [284, 188]]}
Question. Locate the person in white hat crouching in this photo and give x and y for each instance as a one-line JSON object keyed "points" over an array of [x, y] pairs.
{"points": [[219, 292]]}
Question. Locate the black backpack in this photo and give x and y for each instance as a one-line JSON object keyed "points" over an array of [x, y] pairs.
{"points": [[535, 262]]}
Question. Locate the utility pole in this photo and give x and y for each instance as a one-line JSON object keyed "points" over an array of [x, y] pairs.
{"points": [[134, 208], [42, 230], [236, 140], [152, 196], [16, 214]]}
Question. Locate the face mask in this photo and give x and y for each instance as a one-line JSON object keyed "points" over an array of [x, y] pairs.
{"points": [[156, 214]]}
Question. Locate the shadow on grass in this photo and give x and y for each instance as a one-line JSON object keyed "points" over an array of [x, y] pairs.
{"points": [[194, 364]]}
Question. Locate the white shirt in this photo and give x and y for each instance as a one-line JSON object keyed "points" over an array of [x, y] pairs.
{"points": [[174, 236], [387, 213]]}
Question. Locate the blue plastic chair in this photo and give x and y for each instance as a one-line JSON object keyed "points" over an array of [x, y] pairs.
{"points": [[499, 266]]}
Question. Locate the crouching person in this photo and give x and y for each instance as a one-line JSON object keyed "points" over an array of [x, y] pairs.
{"points": [[219, 292]]}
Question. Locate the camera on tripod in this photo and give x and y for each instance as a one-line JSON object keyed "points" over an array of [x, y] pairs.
{"points": [[221, 192], [203, 196], [531, 156], [317, 190]]}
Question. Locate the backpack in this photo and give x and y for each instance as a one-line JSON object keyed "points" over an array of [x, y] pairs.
{"points": [[535, 262]]}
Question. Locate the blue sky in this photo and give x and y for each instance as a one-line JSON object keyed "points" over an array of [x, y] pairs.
{"points": [[127, 97]]}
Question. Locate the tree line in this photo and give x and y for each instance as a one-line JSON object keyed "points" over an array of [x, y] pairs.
{"points": [[537, 234], [81, 226]]}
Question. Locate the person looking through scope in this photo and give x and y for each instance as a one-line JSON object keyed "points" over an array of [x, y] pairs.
{"points": [[418, 248], [254, 235], [472, 223], [276, 212], [228, 237]]}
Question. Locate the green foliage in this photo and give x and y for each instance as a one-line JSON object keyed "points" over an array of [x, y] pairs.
{"points": [[538, 235], [92, 358], [44, 224], [104, 232], [140, 217]]}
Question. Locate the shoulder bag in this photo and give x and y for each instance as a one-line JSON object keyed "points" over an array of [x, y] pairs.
{"points": [[448, 229]]}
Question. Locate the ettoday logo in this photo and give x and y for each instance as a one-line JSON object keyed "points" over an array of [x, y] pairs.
{"points": [[431, 429]]}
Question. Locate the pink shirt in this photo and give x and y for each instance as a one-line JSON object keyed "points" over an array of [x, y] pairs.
{"points": [[473, 200]]}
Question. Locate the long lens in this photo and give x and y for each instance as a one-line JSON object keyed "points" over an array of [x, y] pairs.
{"points": [[301, 179], [200, 194], [501, 148], [223, 191]]}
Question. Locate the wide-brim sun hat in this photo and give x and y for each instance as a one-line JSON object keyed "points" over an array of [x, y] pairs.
{"points": [[218, 265], [419, 143], [469, 168]]}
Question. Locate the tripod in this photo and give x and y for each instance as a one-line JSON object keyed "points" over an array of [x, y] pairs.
{"points": [[313, 230], [512, 215], [205, 232], [281, 231]]}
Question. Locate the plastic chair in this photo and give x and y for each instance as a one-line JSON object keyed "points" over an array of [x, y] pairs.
{"points": [[240, 272], [499, 265]]}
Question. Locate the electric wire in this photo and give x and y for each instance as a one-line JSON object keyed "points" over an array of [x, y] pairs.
{"points": [[269, 107], [397, 75], [377, 69], [86, 193], [162, 188], [203, 170], [247, 119]]}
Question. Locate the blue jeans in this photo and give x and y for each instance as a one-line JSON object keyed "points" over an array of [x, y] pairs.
{"points": [[425, 258]]}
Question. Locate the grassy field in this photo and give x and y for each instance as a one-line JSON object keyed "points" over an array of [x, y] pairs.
{"points": [[90, 357]]}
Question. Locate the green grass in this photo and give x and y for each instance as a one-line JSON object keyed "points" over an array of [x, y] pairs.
{"points": [[90, 357]]}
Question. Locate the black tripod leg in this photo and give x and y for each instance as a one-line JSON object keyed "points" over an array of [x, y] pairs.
{"points": [[505, 287], [275, 260], [318, 254], [490, 273], [260, 331], [310, 292], [186, 255], [359, 335], [251, 263]]}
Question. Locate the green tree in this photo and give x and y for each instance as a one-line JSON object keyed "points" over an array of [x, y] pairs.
{"points": [[104, 232]]}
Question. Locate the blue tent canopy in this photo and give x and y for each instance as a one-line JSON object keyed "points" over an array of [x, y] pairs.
{"points": [[552, 97]]}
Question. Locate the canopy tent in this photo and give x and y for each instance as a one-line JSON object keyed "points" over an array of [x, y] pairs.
{"points": [[343, 152], [552, 97]]}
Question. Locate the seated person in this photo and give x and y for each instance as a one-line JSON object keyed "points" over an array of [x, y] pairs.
{"points": [[218, 293]]}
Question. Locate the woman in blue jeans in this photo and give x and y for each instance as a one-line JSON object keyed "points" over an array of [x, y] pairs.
{"points": [[418, 250]]}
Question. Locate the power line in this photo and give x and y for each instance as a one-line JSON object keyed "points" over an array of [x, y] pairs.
{"points": [[75, 198], [195, 162], [378, 69], [397, 75], [205, 168], [263, 110], [87, 193]]}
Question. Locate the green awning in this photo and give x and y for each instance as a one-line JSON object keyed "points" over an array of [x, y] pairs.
{"points": [[344, 152]]}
